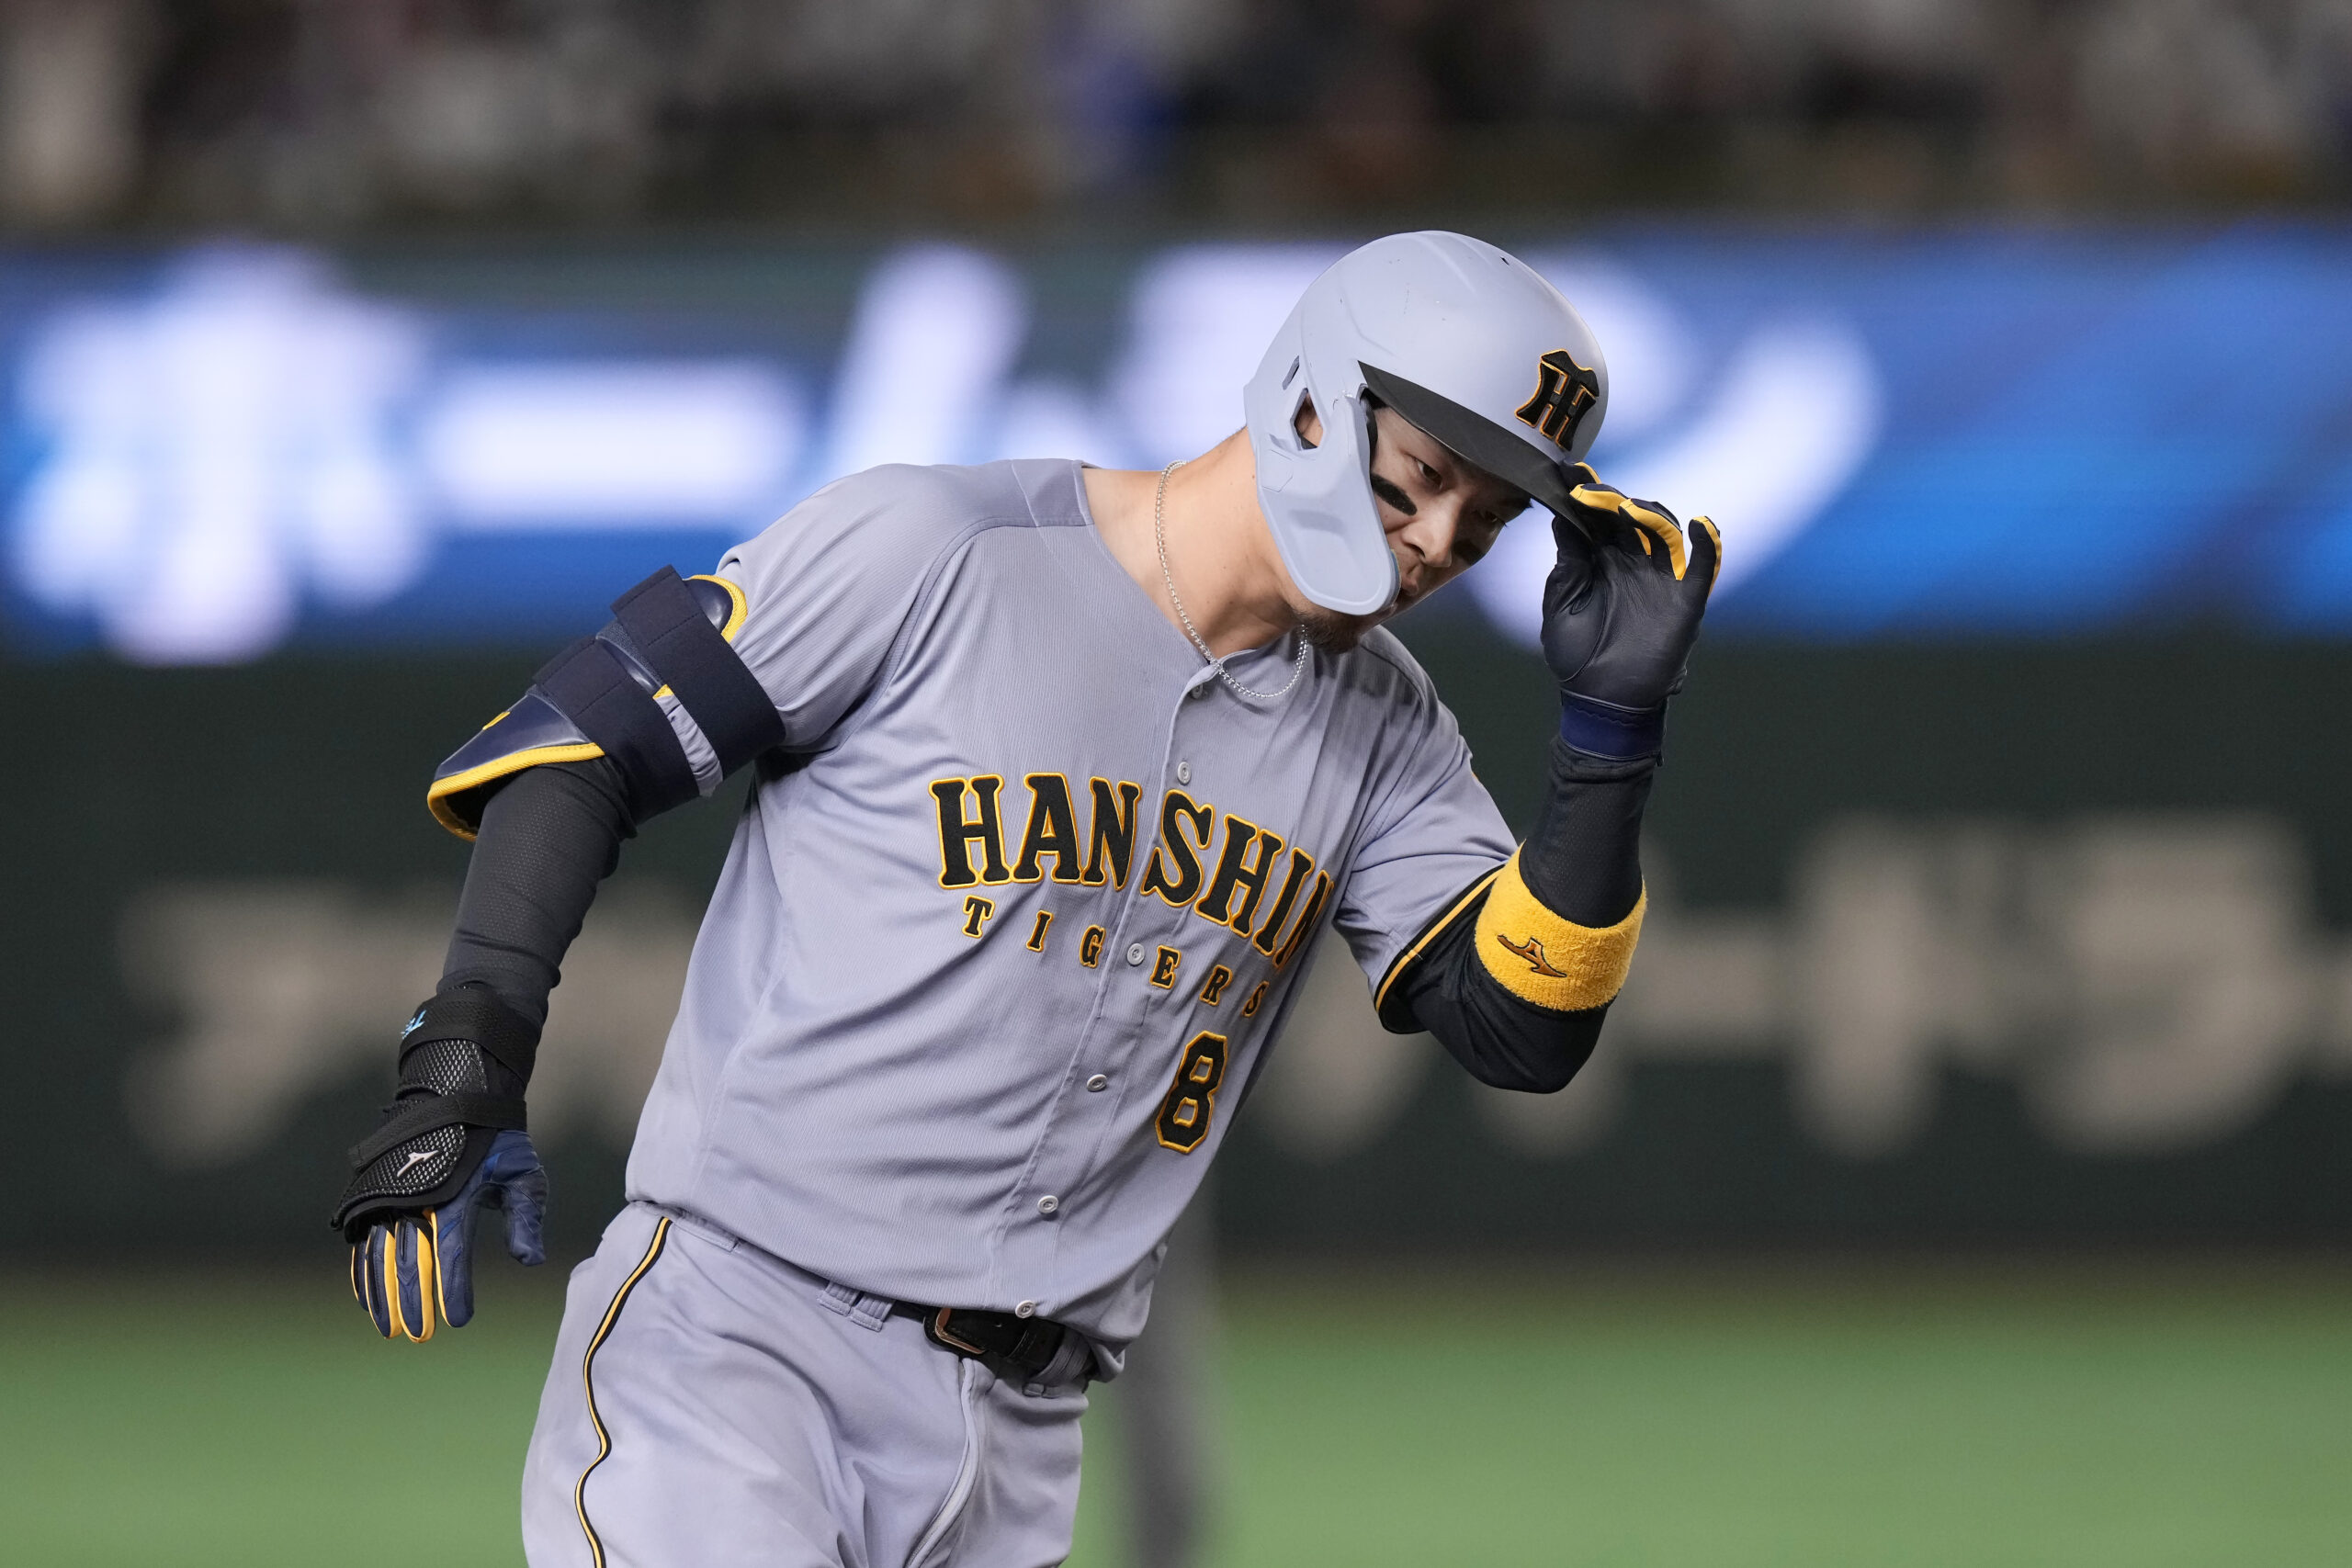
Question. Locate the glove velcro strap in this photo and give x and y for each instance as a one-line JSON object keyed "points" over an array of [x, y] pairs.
{"points": [[474, 1014], [430, 1113], [1604, 729], [1540, 957]]}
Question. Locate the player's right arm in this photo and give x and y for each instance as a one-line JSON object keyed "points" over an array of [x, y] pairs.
{"points": [[650, 713], [692, 679]]}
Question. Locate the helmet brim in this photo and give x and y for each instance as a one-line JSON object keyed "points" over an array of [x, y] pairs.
{"points": [[1474, 439]]}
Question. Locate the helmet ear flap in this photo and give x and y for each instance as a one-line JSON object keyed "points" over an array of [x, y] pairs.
{"points": [[1306, 407]]}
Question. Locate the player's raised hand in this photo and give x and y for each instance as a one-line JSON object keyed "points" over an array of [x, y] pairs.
{"points": [[450, 1144], [1621, 611]]}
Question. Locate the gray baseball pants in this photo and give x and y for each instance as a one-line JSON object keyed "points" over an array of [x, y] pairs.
{"points": [[711, 1406]]}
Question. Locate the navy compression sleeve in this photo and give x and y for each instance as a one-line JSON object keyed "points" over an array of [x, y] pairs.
{"points": [[548, 836], [1582, 863]]}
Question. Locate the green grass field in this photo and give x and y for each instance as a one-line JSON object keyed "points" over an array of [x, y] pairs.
{"points": [[2139, 1414]]}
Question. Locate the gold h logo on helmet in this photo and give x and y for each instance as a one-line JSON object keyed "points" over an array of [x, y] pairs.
{"points": [[1563, 392]]}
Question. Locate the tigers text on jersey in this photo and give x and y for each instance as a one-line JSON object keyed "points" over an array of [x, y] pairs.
{"points": [[998, 950]]}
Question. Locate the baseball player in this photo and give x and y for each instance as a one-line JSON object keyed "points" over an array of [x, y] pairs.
{"points": [[1058, 772]]}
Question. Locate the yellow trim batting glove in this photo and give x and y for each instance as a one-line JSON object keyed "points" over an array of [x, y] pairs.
{"points": [[450, 1144], [1621, 611]]}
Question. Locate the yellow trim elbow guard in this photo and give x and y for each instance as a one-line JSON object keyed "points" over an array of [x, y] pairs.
{"points": [[1541, 958], [671, 637]]}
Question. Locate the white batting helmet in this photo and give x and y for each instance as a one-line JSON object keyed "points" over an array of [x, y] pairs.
{"points": [[1463, 340]]}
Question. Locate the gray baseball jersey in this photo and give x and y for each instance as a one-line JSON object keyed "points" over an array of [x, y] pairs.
{"points": [[996, 956]]}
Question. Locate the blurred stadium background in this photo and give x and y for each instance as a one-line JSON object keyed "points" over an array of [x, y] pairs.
{"points": [[1966, 1175]]}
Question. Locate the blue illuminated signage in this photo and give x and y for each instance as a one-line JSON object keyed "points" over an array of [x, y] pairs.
{"points": [[219, 453]]}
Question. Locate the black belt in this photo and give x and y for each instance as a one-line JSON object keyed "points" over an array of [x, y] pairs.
{"points": [[1005, 1344]]}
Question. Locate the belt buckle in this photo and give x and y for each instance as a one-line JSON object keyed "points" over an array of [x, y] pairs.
{"points": [[940, 1334]]}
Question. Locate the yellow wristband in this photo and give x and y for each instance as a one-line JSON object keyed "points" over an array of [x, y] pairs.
{"points": [[1551, 961]]}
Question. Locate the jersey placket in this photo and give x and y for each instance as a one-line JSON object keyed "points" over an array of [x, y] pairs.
{"points": [[1132, 1039]]}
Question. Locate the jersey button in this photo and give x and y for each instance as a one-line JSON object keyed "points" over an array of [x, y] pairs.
{"points": [[1184, 773], [1048, 1204], [1197, 693], [1135, 952], [1023, 1308], [1097, 1084]]}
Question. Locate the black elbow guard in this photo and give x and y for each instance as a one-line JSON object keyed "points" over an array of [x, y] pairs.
{"points": [[601, 697]]}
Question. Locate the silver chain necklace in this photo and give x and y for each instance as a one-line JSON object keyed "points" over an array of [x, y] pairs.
{"points": [[1159, 537]]}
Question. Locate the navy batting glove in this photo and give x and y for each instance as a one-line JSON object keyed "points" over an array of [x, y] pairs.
{"points": [[451, 1143], [407, 1271], [1621, 611]]}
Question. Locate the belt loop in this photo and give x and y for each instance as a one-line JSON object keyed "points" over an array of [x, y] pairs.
{"points": [[1071, 1368], [866, 1311]]}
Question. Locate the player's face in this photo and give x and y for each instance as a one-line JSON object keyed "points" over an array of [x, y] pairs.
{"points": [[1440, 514]]}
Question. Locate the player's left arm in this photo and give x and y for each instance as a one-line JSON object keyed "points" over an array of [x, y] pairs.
{"points": [[1514, 976]]}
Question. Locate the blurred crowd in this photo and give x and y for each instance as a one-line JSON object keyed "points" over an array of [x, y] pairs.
{"points": [[329, 114]]}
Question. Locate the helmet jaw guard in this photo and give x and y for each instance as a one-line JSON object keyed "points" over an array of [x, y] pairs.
{"points": [[1467, 343], [1318, 499]]}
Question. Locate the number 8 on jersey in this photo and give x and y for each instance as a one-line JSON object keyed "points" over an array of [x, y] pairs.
{"points": [[1184, 1115]]}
